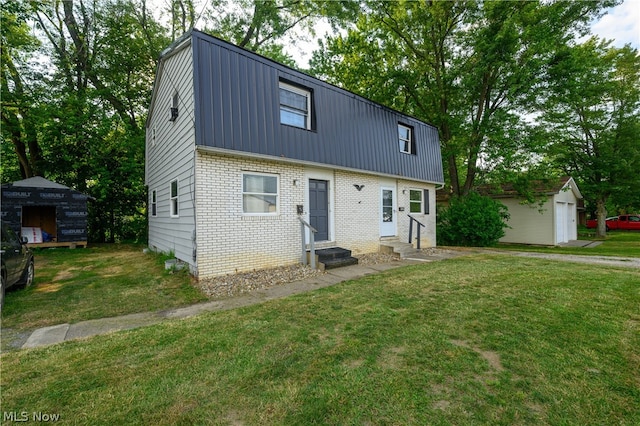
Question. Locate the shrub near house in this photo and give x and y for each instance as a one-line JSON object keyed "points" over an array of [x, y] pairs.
{"points": [[472, 220]]}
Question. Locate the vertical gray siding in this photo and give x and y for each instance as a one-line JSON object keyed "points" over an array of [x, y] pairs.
{"points": [[237, 108]]}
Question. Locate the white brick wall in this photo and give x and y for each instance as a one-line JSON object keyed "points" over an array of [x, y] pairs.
{"points": [[428, 233], [229, 241], [357, 212]]}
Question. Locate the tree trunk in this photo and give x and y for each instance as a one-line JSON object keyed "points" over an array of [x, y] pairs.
{"points": [[601, 214]]}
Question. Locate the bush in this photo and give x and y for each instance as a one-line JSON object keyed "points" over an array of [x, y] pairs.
{"points": [[472, 220]]}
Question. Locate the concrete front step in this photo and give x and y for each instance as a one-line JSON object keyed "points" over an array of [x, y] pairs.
{"points": [[405, 250]]}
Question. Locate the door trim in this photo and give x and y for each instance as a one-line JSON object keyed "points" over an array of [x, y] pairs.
{"points": [[388, 229], [324, 209], [560, 212], [320, 174]]}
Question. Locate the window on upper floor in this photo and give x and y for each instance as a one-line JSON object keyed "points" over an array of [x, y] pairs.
{"points": [[405, 139], [259, 194], [173, 198], [295, 106], [174, 107]]}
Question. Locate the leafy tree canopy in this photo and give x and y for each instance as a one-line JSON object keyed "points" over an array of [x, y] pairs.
{"points": [[77, 77], [473, 69], [591, 121]]}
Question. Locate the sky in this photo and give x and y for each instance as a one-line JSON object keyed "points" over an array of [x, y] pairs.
{"points": [[621, 25]]}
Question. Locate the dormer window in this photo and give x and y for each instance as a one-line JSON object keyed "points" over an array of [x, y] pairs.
{"points": [[405, 139], [174, 107], [295, 106]]}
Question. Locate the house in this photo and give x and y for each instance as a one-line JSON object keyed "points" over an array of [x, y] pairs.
{"points": [[48, 214], [239, 148], [551, 221]]}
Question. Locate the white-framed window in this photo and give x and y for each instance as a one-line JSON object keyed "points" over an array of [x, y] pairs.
{"points": [[154, 203], [260, 193], [295, 106], [173, 198], [415, 201], [405, 139]]}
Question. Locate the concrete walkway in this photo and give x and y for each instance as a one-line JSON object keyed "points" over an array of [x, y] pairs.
{"points": [[64, 332], [581, 243]]}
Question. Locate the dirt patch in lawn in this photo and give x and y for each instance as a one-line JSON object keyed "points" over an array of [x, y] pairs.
{"points": [[493, 358], [65, 275], [47, 288], [392, 358]]}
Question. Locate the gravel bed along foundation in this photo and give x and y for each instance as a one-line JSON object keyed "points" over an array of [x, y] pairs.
{"points": [[245, 282]]}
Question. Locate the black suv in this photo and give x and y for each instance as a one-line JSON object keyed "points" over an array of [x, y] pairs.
{"points": [[17, 261]]}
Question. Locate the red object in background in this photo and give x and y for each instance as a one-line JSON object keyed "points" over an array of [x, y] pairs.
{"points": [[625, 221]]}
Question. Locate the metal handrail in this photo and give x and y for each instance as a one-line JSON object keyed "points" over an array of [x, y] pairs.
{"points": [[312, 245], [420, 225]]}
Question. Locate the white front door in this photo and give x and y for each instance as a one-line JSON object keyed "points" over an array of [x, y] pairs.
{"points": [[388, 219]]}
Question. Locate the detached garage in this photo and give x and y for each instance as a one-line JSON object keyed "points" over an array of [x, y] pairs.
{"points": [[46, 213], [553, 222]]}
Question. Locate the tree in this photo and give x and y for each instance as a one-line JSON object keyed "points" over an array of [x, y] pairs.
{"points": [[79, 120], [470, 68], [19, 119], [591, 119], [261, 25]]}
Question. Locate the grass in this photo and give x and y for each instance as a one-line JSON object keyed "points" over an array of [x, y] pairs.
{"points": [[483, 339], [95, 282], [616, 243]]}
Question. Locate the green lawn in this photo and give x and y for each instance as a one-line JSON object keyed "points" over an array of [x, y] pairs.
{"points": [[483, 339], [95, 282], [617, 243]]}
